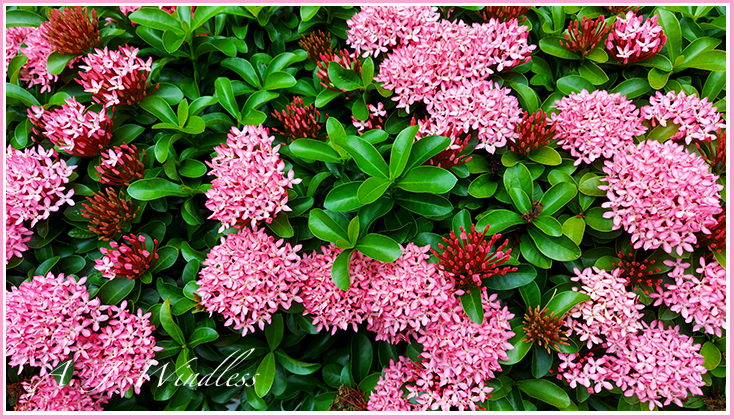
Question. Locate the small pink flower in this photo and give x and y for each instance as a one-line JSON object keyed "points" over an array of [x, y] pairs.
{"points": [[127, 260], [376, 29], [14, 38], [631, 40], [43, 394], [697, 118]]}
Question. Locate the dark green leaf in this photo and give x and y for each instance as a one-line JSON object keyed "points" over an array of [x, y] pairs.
{"points": [[593, 73], [155, 18], [549, 225], [343, 197], [340, 269], [56, 63], [323, 227], [594, 218], [167, 256], [545, 391], [519, 347], [520, 199], [16, 92], [202, 335], [400, 152], [632, 88], [365, 155], [425, 204], [483, 186], [472, 303], [425, 148], [244, 69], [379, 247], [541, 362], [345, 79], [499, 220], [18, 17], [573, 84], [281, 226], [590, 186], [372, 189], [274, 331], [564, 301], [225, 95], [362, 353], [561, 248], [192, 169], [518, 176], [524, 275], [63, 372], [555, 198], [159, 108], [530, 294], [326, 96], [114, 291], [295, 366], [169, 325], [552, 45]]}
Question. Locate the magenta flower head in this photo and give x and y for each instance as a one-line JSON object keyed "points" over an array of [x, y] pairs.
{"points": [[248, 277], [596, 124], [631, 40], [250, 184], [72, 128], [129, 261], [37, 339], [14, 38], [44, 394], [116, 77], [377, 29], [388, 394], [662, 195], [696, 118]]}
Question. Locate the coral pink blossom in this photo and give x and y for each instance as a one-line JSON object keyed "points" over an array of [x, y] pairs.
{"points": [[72, 128], [45, 395], [701, 301], [250, 184], [697, 118], [376, 29], [388, 394], [631, 40], [248, 277], [14, 37], [117, 357], [596, 124], [44, 319], [115, 77], [37, 49], [662, 195]]}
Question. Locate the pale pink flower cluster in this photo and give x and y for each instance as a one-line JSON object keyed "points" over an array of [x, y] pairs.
{"points": [[37, 50], [72, 128], [45, 395], [659, 366], [377, 29], [34, 186], [377, 113], [631, 40], [701, 301], [662, 195], [388, 394], [612, 312], [596, 124], [117, 357], [248, 277], [697, 118], [115, 77], [448, 53], [45, 317], [477, 106], [14, 37], [250, 185]]}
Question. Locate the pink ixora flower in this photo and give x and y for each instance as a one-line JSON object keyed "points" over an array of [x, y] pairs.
{"points": [[701, 301], [697, 118], [37, 49], [250, 184], [662, 195], [118, 356], [14, 38], [631, 40], [127, 260], [389, 393], [376, 120], [376, 29], [596, 124], [72, 128], [116, 77], [38, 339], [248, 277], [45, 395]]}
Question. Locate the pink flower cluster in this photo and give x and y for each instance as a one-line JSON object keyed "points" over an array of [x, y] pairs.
{"points": [[612, 312], [631, 40], [34, 186], [448, 53], [37, 50], [701, 301], [388, 394], [248, 277], [657, 364], [129, 261], [72, 128], [250, 185], [377, 29], [596, 124], [697, 119], [14, 38], [45, 395], [115, 77], [662, 195]]}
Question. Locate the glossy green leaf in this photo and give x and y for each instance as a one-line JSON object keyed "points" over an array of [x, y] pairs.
{"points": [[281, 226], [555, 198], [372, 189], [202, 335], [314, 150], [155, 18], [362, 354], [265, 375], [295, 366], [573, 228], [551, 45], [326, 96], [19, 17], [343, 197], [359, 110], [427, 179], [520, 199], [715, 83], [544, 391], [16, 92], [225, 95], [114, 291], [546, 156], [573, 84], [244, 69], [274, 331], [659, 62], [518, 176], [530, 294], [593, 73], [548, 225], [279, 80], [524, 275], [671, 28], [541, 362], [528, 98], [426, 205], [167, 256], [345, 79], [632, 88], [204, 13], [169, 324], [192, 169], [159, 108], [56, 63], [368, 71], [564, 301], [594, 218], [63, 372], [400, 152], [483, 186], [340, 270], [561, 248], [365, 155], [425, 148], [472, 303], [323, 227], [711, 355], [714, 60], [379, 247], [590, 186], [519, 347], [499, 220]]}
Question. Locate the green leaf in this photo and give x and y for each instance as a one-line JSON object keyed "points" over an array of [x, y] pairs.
{"points": [[594, 218], [520, 199], [518, 176], [715, 82], [167, 256], [169, 325], [340, 269], [362, 354], [183, 367], [425, 148], [590, 186], [524, 275], [711, 355], [573, 228], [192, 169], [202, 335], [244, 69], [372, 189], [204, 13], [16, 92], [659, 62], [343, 197], [345, 79], [632, 88], [295, 366], [225, 95], [461, 219], [150, 189], [426, 205], [551, 45], [530, 294], [519, 347], [56, 63], [549, 225], [274, 331], [114, 291], [671, 28], [472, 303], [400, 152], [541, 362], [182, 113], [353, 230], [379, 247], [564, 301], [172, 41], [308, 12], [18, 17], [159, 108], [593, 73], [598, 55], [528, 98], [281, 226], [368, 71], [265, 375], [427, 179], [314, 150], [359, 109], [279, 80], [63, 372], [127, 133], [365, 155], [323, 227], [555, 198], [16, 64], [546, 156], [155, 18], [326, 96], [573, 84], [657, 78], [499, 220], [46, 266], [709, 61], [545, 391], [561, 248], [663, 133]]}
